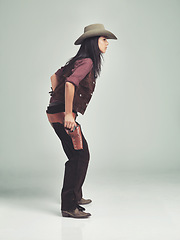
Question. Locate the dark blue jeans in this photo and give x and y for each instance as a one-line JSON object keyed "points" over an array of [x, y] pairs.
{"points": [[75, 168]]}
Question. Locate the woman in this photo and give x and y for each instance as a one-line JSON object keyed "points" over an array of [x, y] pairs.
{"points": [[72, 88]]}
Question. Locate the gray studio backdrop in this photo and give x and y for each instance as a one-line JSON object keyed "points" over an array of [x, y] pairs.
{"points": [[133, 120]]}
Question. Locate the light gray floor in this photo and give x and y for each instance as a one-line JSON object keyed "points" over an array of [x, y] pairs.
{"points": [[127, 206]]}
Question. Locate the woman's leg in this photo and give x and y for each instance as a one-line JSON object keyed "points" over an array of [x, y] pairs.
{"points": [[82, 170], [75, 169]]}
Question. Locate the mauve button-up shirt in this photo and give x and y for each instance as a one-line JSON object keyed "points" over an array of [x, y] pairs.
{"points": [[81, 68]]}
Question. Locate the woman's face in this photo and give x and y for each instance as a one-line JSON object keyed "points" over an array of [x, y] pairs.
{"points": [[103, 43]]}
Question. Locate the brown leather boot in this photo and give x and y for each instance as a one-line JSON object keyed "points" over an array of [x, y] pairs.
{"points": [[84, 201], [75, 214]]}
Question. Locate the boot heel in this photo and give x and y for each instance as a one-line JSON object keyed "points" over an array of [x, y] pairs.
{"points": [[64, 214]]}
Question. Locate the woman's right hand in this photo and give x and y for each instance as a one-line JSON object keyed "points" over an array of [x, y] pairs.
{"points": [[69, 121]]}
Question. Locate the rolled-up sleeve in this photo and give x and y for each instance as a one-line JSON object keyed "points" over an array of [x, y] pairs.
{"points": [[59, 71], [81, 69]]}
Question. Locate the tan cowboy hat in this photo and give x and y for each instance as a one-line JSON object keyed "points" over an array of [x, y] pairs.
{"points": [[94, 30]]}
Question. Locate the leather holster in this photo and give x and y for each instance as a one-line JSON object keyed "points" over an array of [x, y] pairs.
{"points": [[76, 134], [76, 137]]}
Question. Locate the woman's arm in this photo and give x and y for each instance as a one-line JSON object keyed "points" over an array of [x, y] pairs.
{"points": [[54, 81], [69, 121]]}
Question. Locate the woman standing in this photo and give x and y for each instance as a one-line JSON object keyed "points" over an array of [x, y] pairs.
{"points": [[72, 88]]}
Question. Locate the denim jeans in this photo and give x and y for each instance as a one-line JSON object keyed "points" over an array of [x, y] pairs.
{"points": [[75, 168]]}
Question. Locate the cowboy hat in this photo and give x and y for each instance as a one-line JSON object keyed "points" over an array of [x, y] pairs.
{"points": [[94, 30]]}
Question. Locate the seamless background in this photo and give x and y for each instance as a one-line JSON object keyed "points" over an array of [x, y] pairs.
{"points": [[132, 123]]}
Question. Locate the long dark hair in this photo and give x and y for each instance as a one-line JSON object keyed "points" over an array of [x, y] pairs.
{"points": [[88, 49]]}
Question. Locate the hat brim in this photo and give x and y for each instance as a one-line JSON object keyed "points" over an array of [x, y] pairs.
{"points": [[94, 33]]}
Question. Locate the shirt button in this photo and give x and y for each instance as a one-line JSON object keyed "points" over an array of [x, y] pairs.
{"points": [[86, 104], [91, 93], [80, 95], [93, 82]]}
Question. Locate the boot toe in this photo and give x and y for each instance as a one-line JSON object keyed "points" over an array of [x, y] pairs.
{"points": [[84, 201]]}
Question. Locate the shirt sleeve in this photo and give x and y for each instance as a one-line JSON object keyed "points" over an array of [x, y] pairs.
{"points": [[59, 71], [81, 68]]}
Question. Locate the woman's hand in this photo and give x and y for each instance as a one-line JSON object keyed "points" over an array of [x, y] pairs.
{"points": [[69, 121]]}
